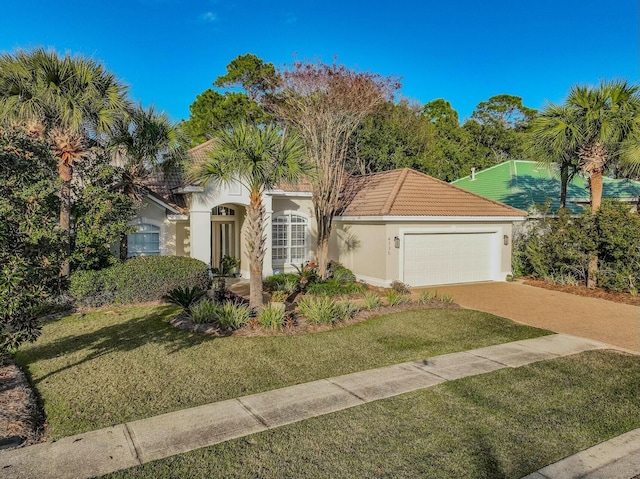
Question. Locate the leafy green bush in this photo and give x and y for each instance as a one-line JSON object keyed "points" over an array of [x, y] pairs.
{"points": [[144, 278], [287, 282], [371, 301], [558, 248], [271, 317], [394, 298], [340, 273], [185, 297], [333, 287]]}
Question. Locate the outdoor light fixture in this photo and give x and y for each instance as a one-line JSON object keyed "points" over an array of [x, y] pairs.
{"points": [[505, 238], [396, 241]]}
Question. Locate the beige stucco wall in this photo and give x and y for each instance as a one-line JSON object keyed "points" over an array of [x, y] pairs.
{"points": [[361, 247], [152, 213], [368, 249], [183, 239]]}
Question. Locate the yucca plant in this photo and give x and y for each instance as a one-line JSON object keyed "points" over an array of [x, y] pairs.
{"points": [[185, 297], [394, 298]]}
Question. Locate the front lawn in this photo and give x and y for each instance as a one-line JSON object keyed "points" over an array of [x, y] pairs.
{"points": [[500, 425], [124, 364]]}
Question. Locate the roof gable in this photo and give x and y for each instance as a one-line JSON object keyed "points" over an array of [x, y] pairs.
{"points": [[406, 192]]}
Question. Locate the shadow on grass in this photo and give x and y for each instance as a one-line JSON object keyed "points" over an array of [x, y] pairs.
{"points": [[122, 337]]}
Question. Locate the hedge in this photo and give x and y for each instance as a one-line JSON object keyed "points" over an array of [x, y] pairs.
{"points": [[140, 279]]}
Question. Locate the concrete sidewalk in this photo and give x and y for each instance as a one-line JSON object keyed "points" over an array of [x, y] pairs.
{"points": [[126, 445]]}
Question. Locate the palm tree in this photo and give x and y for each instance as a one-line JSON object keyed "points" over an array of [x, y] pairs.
{"points": [[259, 158], [598, 124], [551, 141], [75, 101], [143, 143]]}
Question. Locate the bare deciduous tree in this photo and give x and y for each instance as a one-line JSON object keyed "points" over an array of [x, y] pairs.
{"points": [[325, 104]]}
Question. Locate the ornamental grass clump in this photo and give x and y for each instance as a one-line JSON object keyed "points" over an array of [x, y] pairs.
{"points": [[232, 316], [317, 310], [345, 310], [205, 312], [371, 301], [427, 297], [395, 298], [272, 317]]}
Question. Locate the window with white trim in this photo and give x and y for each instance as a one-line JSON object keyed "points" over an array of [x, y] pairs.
{"points": [[289, 239], [145, 241]]}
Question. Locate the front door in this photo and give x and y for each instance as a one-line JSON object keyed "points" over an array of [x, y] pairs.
{"points": [[223, 239]]}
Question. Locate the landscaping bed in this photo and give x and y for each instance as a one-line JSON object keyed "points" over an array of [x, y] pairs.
{"points": [[580, 290]]}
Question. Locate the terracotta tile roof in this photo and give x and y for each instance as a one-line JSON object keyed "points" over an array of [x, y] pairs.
{"points": [[406, 192], [163, 187], [199, 153]]}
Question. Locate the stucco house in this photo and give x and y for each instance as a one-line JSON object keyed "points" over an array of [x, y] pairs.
{"points": [[396, 225]]}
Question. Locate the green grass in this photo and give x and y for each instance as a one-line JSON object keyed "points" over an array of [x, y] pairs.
{"points": [[104, 369], [505, 424]]}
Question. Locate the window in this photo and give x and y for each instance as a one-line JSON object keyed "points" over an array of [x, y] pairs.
{"points": [[289, 239], [145, 242]]}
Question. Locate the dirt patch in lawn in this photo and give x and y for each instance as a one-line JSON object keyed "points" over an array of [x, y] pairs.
{"points": [[21, 415], [599, 293]]}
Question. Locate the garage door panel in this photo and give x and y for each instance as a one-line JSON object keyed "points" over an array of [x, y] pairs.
{"points": [[431, 259]]}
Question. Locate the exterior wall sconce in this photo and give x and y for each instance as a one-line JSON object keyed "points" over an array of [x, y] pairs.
{"points": [[396, 242], [505, 240]]}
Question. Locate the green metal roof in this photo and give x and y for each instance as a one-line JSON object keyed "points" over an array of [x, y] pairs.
{"points": [[524, 184]]}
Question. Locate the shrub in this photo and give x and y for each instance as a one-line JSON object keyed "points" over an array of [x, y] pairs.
{"points": [[333, 287], [307, 274], [400, 287], [271, 317], [394, 298], [445, 298], [185, 297], [340, 273], [145, 278], [287, 282], [371, 301], [205, 311], [426, 297]]}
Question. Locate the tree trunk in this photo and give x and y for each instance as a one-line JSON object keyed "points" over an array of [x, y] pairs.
{"points": [[124, 246], [564, 179], [595, 193], [255, 240], [65, 224]]}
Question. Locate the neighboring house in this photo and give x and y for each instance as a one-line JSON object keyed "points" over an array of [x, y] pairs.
{"points": [[525, 184], [396, 225]]}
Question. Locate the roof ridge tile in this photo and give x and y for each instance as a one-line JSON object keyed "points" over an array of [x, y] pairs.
{"points": [[386, 208]]}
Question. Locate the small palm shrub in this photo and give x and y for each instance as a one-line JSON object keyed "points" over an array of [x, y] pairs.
{"points": [[371, 301], [426, 297], [185, 297], [205, 311], [272, 317], [394, 298]]}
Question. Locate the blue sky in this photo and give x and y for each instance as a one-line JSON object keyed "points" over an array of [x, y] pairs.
{"points": [[168, 51]]}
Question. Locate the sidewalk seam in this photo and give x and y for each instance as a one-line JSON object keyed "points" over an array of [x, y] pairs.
{"points": [[364, 401], [253, 413], [132, 445]]}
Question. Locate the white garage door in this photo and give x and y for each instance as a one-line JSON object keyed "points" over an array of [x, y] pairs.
{"points": [[431, 259]]}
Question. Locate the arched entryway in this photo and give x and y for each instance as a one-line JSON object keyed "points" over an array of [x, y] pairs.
{"points": [[226, 227]]}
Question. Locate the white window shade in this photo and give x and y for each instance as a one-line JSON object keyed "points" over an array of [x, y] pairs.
{"points": [[144, 242]]}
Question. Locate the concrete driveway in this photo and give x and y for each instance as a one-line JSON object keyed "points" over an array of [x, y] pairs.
{"points": [[606, 321]]}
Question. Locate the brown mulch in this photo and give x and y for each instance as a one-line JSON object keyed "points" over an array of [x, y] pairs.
{"points": [[21, 416], [599, 293]]}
